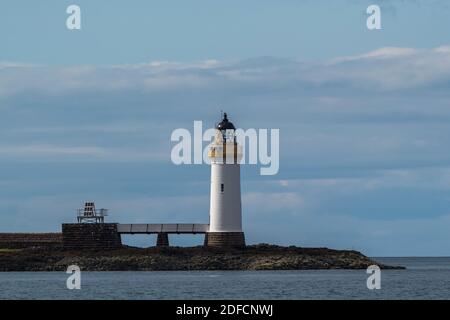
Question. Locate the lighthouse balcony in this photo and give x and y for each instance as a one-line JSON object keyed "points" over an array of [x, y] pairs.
{"points": [[230, 150]]}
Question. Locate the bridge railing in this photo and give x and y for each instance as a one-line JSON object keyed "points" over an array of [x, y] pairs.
{"points": [[164, 227]]}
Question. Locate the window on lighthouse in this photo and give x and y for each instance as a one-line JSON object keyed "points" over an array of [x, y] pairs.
{"points": [[222, 187]]}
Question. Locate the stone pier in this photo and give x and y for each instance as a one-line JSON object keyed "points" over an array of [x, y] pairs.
{"points": [[162, 239], [29, 240], [98, 236]]}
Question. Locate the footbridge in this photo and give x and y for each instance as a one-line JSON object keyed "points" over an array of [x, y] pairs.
{"points": [[163, 230]]}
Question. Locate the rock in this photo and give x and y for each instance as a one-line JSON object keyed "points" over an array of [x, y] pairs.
{"points": [[255, 257]]}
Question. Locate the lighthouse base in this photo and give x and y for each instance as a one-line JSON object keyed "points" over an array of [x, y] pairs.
{"points": [[225, 239]]}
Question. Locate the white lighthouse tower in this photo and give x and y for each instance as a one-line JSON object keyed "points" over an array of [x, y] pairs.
{"points": [[225, 228]]}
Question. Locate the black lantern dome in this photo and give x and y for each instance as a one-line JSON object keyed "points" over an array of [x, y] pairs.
{"points": [[225, 124]]}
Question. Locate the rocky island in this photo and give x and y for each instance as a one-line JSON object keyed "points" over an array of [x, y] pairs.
{"points": [[254, 257]]}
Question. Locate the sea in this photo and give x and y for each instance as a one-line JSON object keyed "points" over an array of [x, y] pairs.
{"points": [[424, 278]]}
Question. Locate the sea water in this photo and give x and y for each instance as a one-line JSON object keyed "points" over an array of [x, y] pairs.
{"points": [[424, 278]]}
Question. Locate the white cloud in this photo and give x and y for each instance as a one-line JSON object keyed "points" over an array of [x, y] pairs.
{"points": [[382, 53], [437, 178], [355, 132], [383, 69], [45, 151], [12, 64], [33, 150], [274, 202]]}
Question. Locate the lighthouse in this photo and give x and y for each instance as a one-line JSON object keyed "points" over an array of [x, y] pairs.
{"points": [[225, 227]]}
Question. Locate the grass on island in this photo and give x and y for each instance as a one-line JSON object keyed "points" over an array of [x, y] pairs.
{"points": [[5, 250]]}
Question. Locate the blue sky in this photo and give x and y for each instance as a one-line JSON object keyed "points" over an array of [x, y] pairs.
{"points": [[363, 116], [116, 31]]}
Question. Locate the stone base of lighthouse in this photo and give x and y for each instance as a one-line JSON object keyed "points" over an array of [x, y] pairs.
{"points": [[225, 239]]}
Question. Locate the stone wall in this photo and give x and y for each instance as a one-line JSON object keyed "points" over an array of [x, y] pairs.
{"points": [[102, 236], [28, 240], [225, 239]]}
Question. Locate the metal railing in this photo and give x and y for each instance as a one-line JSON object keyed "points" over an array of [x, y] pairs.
{"points": [[96, 215], [179, 228]]}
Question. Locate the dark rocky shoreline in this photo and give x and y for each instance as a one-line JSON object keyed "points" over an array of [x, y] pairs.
{"points": [[255, 257]]}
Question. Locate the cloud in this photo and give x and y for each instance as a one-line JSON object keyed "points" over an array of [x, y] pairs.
{"points": [[385, 69], [400, 237], [273, 202], [342, 212], [317, 105], [79, 153], [12, 64], [36, 150], [381, 54], [129, 209], [396, 68], [364, 160], [393, 6]]}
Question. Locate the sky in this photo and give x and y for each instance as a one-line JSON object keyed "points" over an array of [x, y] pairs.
{"points": [[363, 116]]}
